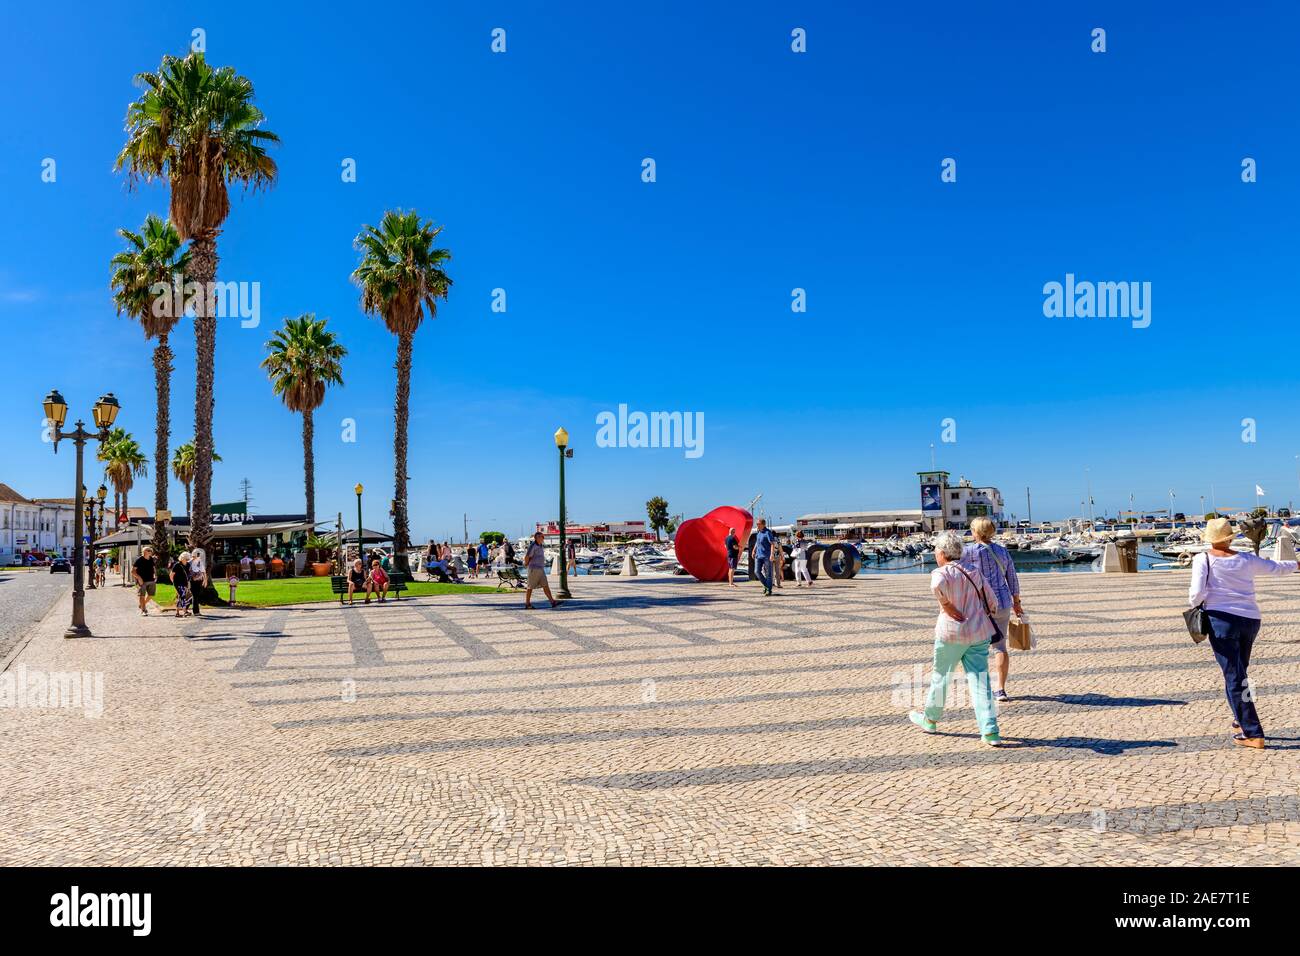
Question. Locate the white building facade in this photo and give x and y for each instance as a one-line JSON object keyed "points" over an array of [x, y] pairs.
{"points": [[34, 524], [946, 505]]}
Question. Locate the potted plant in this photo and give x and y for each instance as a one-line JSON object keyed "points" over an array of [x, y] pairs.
{"points": [[319, 553]]}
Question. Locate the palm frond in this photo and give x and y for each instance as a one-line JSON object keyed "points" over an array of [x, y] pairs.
{"points": [[401, 274]]}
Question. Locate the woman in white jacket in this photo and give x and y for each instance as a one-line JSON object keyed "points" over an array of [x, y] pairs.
{"points": [[799, 552]]}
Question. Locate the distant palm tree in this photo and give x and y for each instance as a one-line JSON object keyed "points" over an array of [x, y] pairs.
{"points": [[303, 359], [401, 278], [146, 281], [123, 463], [114, 435], [196, 126], [183, 468]]}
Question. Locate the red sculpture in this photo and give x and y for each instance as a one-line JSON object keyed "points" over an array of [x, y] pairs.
{"points": [[701, 543]]}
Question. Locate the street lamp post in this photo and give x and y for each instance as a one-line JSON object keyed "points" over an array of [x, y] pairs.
{"points": [[56, 413], [358, 489], [91, 534], [562, 443]]}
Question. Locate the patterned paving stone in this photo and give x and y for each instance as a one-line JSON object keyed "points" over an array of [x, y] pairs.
{"points": [[655, 721]]}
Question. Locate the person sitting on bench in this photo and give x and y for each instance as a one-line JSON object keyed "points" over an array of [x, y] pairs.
{"points": [[378, 582], [437, 569], [357, 580]]}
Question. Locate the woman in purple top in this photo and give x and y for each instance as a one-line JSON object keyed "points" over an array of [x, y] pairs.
{"points": [[1224, 581], [993, 562]]}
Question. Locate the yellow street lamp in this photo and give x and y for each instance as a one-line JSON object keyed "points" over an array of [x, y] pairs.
{"points": [[105, 411], [358, 489]]}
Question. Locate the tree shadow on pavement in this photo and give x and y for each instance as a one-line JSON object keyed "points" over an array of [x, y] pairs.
{"points": [[1101, 700], [1098, 745]]}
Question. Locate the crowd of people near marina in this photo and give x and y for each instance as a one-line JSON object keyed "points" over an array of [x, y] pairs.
{"points": [[446, 562]]}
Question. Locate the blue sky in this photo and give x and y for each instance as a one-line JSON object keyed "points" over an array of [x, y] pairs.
{"points": [[775, 170]]}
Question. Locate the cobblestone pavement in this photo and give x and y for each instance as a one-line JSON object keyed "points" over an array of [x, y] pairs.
{"points": [[25, 596], [652, 721]]}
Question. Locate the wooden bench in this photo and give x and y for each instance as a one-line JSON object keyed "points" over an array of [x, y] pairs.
{"points": [[509, 576], [397, 582]]}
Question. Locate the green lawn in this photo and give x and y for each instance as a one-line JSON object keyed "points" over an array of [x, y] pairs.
{"points": [[308, 591]]}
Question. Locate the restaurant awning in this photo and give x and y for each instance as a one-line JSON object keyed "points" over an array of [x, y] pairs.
{"points": [[258, 529], [367, 536]]}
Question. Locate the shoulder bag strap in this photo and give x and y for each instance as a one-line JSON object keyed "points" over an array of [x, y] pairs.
{"points": [[978, 589], [997, 631]]}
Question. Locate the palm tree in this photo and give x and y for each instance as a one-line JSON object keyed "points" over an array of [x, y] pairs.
{"points": [[115, 435], [183, 468], [196, 126], [401, 278], [303, 358], [123, 463], [144, 277]]}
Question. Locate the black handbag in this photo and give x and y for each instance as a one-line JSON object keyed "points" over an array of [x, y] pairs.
{"points": [[1196, 618]]}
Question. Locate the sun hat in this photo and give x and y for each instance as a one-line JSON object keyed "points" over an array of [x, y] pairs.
{"points": [[1218, 529]]}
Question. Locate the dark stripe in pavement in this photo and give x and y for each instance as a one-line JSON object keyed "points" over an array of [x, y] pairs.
{"points": [[365, 649], [262, 646], [691, 637], [477, 649], [1018, 750], [538, 618], [1170, 818]]}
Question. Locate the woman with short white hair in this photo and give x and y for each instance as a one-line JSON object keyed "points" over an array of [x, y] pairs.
{"points": [[993, 563], [198, 579], [961, 636]]}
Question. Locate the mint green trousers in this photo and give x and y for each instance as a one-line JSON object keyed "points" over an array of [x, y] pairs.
{"points": [[974, 660]]}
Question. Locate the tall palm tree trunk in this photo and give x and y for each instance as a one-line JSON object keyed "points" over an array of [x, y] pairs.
{"points": [[309, 468], [401, 530], [162, 371], [203, 270], [188, 510], [117, 506]]}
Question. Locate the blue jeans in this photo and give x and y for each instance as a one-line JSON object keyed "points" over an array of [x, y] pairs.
{"points": [[1232, 639], [763, 568], [974, 660]]}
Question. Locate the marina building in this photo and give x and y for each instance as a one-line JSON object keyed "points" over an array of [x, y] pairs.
{"points": [[943, 506], [594, 533], [881, 523]]}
